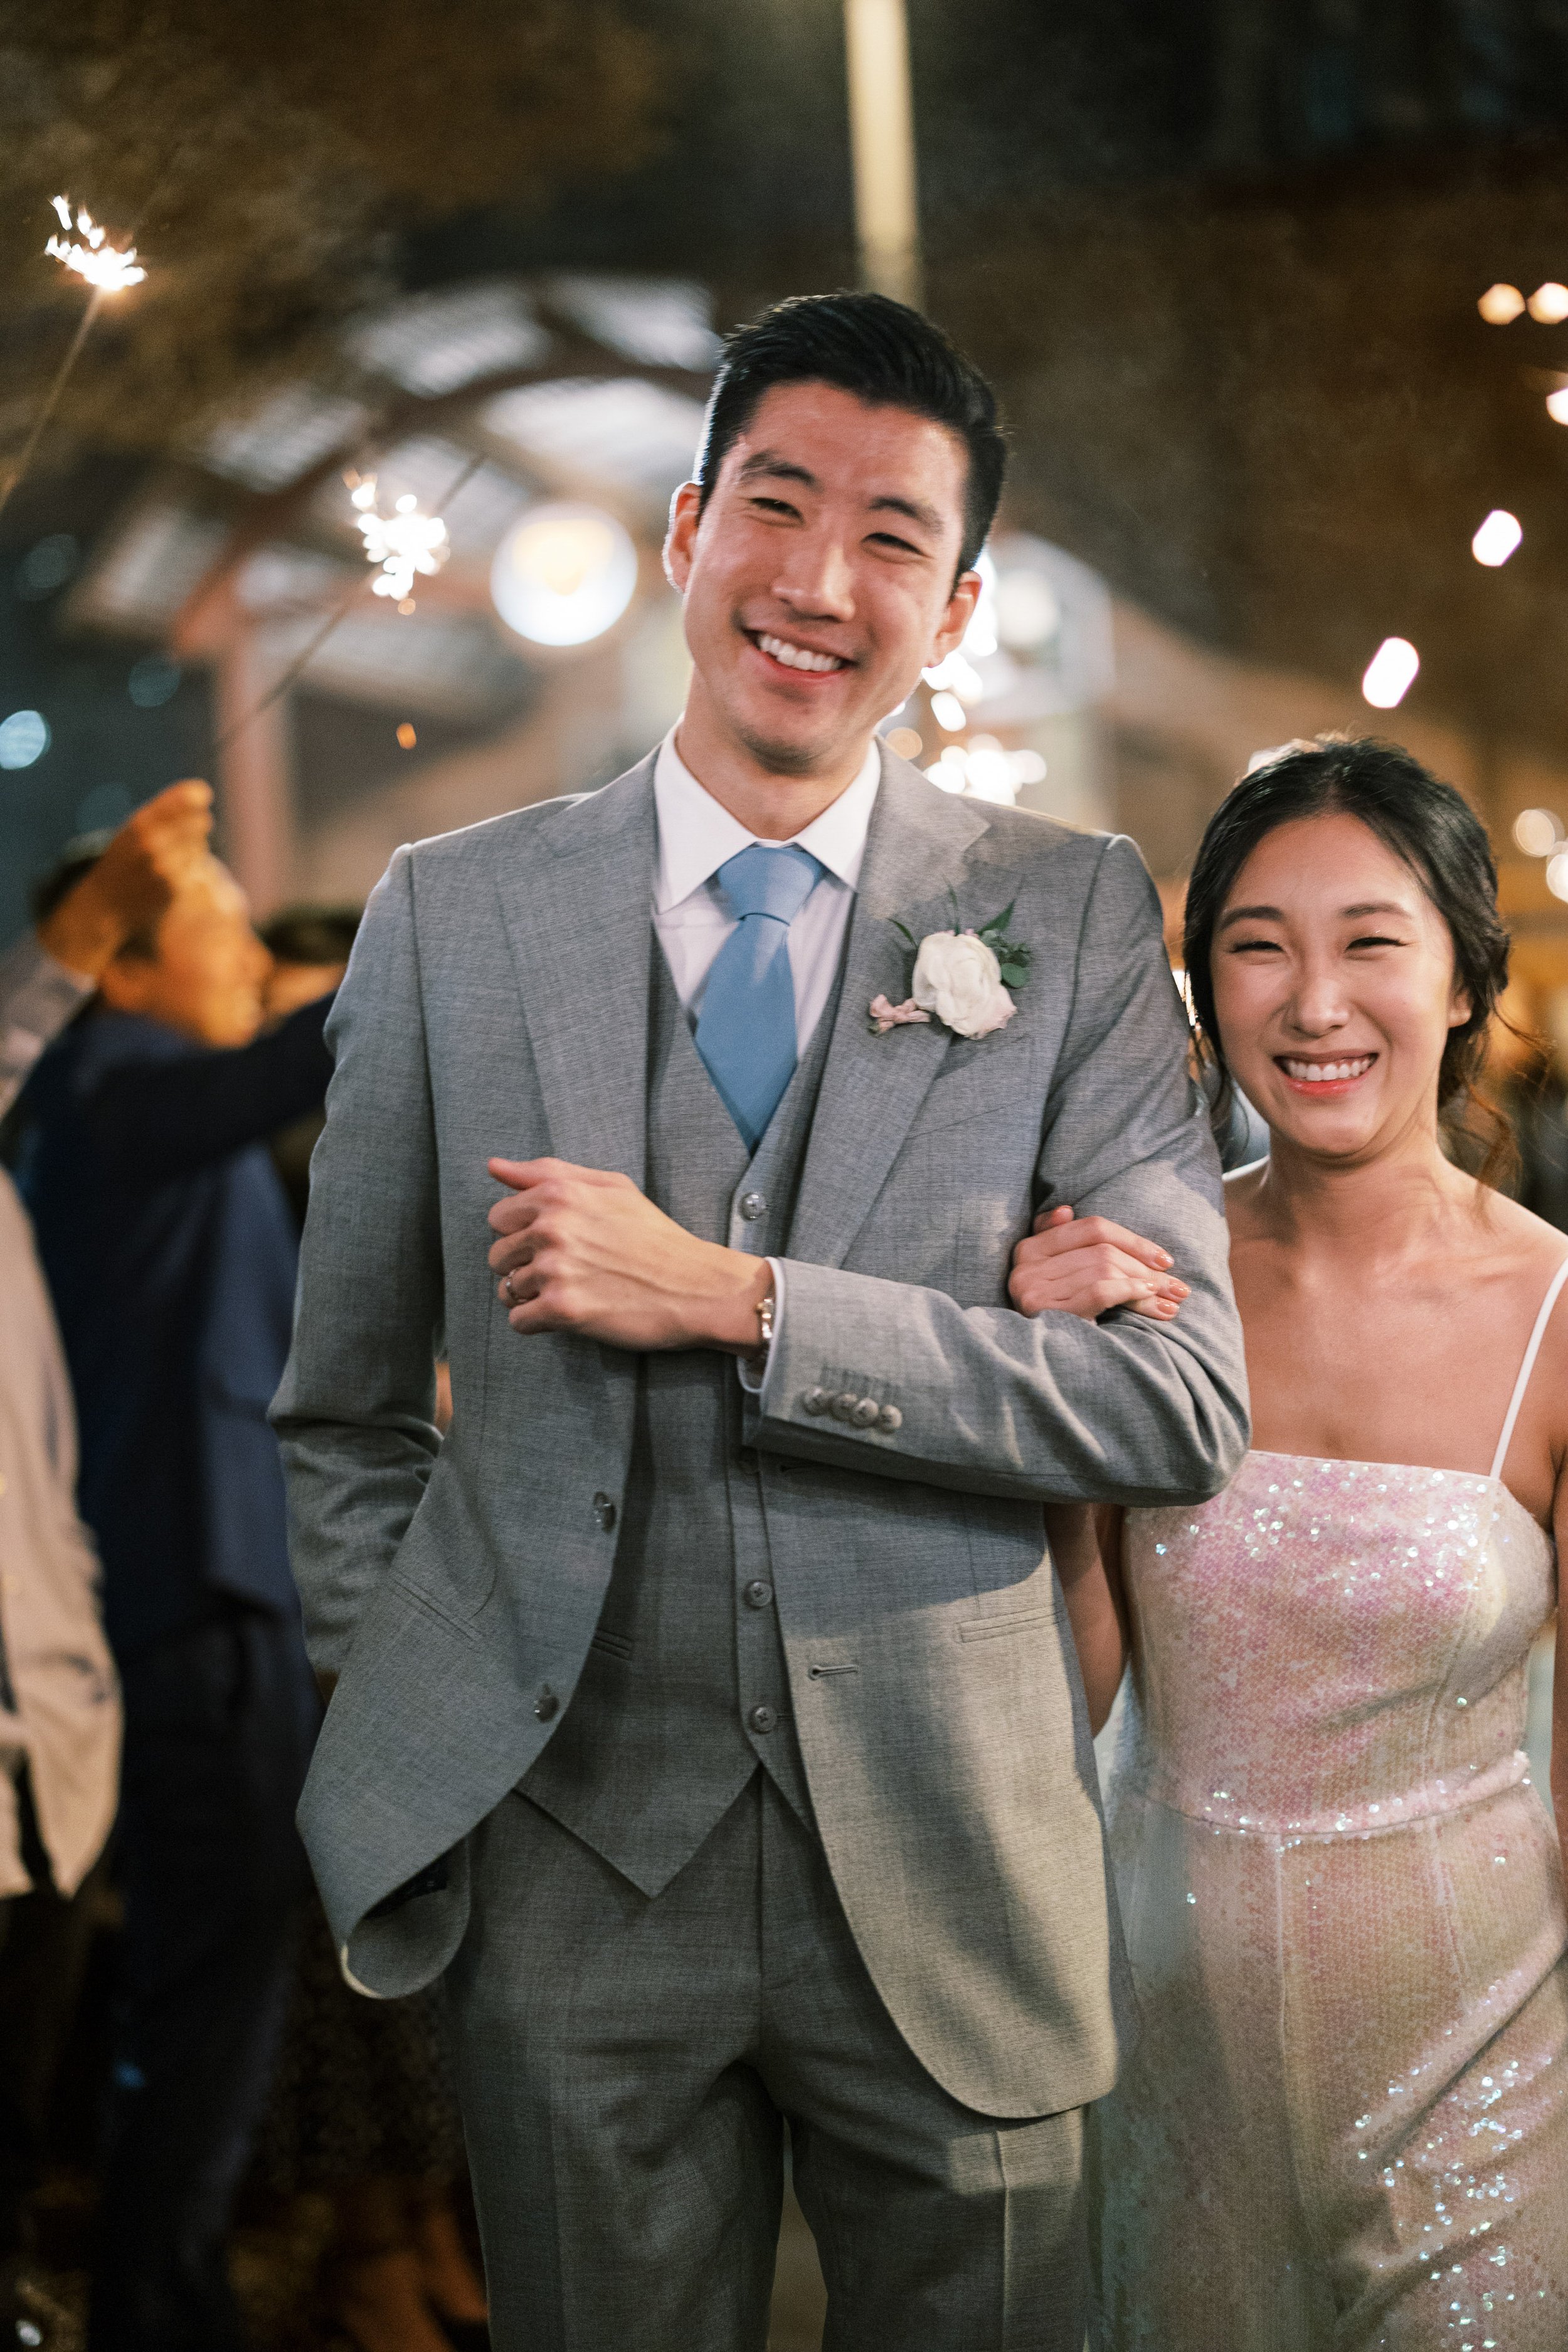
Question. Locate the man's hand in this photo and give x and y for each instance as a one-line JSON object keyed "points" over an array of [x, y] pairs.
{"points": [[584, 1251], [1087, 1265], [150, 857]]}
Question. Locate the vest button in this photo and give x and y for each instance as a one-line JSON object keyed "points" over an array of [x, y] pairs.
{"points": [[605, 1512], [844, 1407], [815, 1401], [759, 1593], [546, 1706], [866, 1413], [763, 1718], [752, 1205], [890, 1417]]}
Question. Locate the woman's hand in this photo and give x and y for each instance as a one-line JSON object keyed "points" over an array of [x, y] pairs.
{"points": [[1087, 1265]]}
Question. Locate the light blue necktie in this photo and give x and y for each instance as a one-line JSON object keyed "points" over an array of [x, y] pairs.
{"points": [[746, 1034]]}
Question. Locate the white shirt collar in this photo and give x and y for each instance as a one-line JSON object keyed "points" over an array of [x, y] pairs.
{"points": [[696, 835]]}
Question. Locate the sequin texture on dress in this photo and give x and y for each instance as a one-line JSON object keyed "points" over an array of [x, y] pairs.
{"points": [[1345, 2127]]}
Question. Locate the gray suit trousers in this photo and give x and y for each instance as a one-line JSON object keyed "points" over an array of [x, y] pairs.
{"points": [[625, 2064]]}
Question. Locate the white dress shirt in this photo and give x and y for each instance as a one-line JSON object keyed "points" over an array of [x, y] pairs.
{"points": [[695, 835]]}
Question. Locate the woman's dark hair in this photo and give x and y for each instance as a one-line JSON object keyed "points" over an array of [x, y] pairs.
{"points": [[1438, 836], [887, 355]]}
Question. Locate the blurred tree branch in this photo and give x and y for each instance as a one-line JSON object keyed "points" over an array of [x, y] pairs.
{"points": [[264, 160]]}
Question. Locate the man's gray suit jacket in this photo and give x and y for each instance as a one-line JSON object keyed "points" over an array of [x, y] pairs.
{"points": [[497, 1003]]}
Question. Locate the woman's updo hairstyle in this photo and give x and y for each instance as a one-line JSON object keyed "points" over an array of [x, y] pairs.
{"points": [[1438, 836]]}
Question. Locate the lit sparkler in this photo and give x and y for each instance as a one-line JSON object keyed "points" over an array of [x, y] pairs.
{"points": [[107, 270], [421, 545], [90, 254], [404, 543]]}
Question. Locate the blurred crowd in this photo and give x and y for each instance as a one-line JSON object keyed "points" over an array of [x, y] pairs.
{"points": [[162, 1075]]}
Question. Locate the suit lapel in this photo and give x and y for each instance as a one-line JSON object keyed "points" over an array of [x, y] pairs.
{"points": [[580, 926], [872, 1086]]}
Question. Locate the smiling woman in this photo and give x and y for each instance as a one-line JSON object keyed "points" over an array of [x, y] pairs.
{"points": [[1430, 909], [1343, 1896]]}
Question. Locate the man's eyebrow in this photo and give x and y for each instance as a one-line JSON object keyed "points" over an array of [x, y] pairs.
{"points": [[768, 461], [927, 517]]}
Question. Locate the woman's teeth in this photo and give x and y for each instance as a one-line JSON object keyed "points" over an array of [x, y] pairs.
{"points": [[1324, 1074], [797, 656]]}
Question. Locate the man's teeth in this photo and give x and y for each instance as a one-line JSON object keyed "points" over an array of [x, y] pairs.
{"points": [[797, 656], [1322, 1073]]}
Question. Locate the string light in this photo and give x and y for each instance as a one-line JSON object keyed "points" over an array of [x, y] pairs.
{"points": [[1549, 303], [1497, 538], [1501, 304], [1390, 673]]}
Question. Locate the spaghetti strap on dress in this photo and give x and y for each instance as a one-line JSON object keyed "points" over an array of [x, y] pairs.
{"points": [[1345, 2127]]}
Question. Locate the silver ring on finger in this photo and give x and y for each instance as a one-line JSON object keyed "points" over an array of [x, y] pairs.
{"points": [[511, 1297]]}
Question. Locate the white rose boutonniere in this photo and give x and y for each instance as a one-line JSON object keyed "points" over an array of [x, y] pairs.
{"points": [[963, 979]]}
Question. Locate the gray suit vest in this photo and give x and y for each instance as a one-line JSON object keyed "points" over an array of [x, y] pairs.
{"points": [[684, 1691]]}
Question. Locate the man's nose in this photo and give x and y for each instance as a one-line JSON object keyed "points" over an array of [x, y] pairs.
{"points": [[818, 582]]}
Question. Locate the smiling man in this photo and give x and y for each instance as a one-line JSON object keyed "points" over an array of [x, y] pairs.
{"points": [[705, 1708]]}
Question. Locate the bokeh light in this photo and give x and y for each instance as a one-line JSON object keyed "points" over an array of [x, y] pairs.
{"points": [[1390, 673], [1549, 303], [24, 737], [1500, 303], [949, 712], [1497, 538], [1537, 832], [1557, 875], [563, 574]]}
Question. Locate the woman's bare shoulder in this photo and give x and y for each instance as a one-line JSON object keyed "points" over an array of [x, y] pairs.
{"points": [[1520, 1231]]}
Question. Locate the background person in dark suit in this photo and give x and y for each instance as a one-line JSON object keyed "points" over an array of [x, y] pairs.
{"points": [[170, 1252]]}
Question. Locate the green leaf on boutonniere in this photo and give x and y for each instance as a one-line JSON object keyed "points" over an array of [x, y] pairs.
{"points": [[1013, 975], [994, 931], [904, 930]]}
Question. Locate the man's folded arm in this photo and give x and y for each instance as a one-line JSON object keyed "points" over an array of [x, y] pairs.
{"points": [[159, 1118], [355, 1413], [1049, 1407]]}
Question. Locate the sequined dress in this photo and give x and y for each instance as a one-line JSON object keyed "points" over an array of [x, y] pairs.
{"points": [[1346, 2124]]}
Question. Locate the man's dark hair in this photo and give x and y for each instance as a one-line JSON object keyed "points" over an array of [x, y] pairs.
{"points": [[887, 355], [309, 934], [74, 864]]}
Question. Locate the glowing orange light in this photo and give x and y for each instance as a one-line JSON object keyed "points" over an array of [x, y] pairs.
{"points": [[407, 736]]}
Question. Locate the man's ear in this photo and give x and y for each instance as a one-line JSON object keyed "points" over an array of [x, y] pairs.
{"points": [[956, 619], [679, 539]]}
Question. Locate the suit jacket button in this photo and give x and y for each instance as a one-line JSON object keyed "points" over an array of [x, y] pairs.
{"points": [[763, 1718], [546, 1706], [759, 1593], [814, 1400], [866, 1413], [605, 1512], [752, 1205], [845, 1406], [890, 1418]]}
